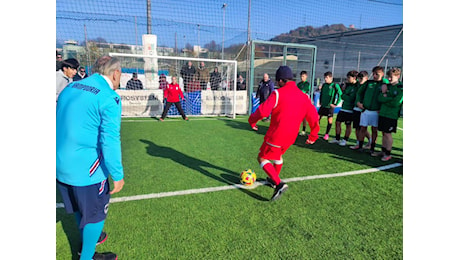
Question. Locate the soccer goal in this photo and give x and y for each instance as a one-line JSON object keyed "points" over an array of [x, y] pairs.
{"points": [[208, 92]]}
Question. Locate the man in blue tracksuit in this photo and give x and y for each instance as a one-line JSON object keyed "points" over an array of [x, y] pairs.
{"points": [[88, 150]]}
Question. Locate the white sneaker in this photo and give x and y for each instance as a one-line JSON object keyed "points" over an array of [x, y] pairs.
{"points": [[302, 133], [334, 141], [342, 142]]}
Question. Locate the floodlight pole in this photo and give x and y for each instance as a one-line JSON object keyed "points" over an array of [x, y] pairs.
{"points": [[149, 17], [223, 29]]}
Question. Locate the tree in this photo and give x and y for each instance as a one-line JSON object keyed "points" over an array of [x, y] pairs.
{"points": [[212, 46]]}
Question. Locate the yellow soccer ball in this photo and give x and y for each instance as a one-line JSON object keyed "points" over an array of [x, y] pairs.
{"points": [[248, 177]]}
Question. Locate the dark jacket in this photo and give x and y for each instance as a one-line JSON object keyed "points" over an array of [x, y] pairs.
{"points": [[187, 73], [241, 85], [215, 80], [77, 77], [134, 84], [264, 90]]}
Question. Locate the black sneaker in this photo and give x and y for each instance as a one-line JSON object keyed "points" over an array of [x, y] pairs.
{"points": [[102, 238], [105, 256], [279, 190], [270, 182]]}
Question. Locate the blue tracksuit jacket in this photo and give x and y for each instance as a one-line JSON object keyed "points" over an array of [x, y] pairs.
{"points": [[88, 118]]}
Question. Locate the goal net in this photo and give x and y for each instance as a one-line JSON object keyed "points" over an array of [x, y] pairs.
{"points": [[209, 86]]}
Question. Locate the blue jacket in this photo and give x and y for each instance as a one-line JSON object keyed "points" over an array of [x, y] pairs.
{"points": [[88, 147]]}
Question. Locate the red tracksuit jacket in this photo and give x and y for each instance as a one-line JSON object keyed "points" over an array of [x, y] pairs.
{"points": [[172, 92], [288, 106]]}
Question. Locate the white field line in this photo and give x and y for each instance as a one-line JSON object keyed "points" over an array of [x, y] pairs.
{"points": [[239, 186]]}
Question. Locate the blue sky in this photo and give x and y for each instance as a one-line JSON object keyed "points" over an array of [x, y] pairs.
{"points": [[199, 22]]}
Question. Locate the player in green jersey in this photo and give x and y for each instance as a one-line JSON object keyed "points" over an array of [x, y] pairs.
{"points": [[346, 112], [368, 102], [362, 78], [330, 97], [304, 85], [391, 99]]}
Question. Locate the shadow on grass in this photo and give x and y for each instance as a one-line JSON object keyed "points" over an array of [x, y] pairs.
{"points": [[195, 164], [235, 179], [263, 126], [353, 156]]}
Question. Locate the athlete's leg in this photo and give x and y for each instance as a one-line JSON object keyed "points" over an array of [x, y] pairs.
{"points": [[348, 132], [329, 124], [278, 164], [179, 108], [165, 111], [91, 233], [269, 169], [374, 137]]}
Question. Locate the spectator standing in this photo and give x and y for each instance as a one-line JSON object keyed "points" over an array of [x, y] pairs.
{"points": [[163, 82], [203, 73], [173, 95], [304, 85], [88, 150], [134, 83], [194, 84], [328, 100], [81, 74], [266, 87], [65, 74], [215, 79], [240, 83], [187, 72], [58, 60]]}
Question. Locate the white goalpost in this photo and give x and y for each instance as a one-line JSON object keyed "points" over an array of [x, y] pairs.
{"points": [[206, 93]]}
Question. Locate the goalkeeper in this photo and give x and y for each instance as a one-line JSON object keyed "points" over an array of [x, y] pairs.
{"points": [[172, 95], [288, 107]]}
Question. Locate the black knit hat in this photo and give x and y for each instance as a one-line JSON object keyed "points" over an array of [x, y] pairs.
{"points": [[284, 72], [70, 63]]}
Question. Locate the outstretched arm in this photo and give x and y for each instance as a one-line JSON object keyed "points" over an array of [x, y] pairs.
{"points": [[263, 110]]}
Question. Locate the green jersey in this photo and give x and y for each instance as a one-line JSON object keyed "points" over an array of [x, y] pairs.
{"points": [[304, 86], [391, 101], [369, 93], [349, 96], [330, 94]]}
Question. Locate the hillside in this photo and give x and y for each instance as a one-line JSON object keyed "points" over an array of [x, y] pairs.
{"points": [[305, 32]]}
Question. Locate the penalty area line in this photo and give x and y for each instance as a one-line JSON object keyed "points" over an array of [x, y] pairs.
{"points": [[239, 186]]}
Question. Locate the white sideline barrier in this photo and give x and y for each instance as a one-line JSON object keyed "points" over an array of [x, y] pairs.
{"points": [[149, 103]]}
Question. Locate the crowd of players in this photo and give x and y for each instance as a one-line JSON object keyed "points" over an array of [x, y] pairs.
{"points": [[376, 103]]}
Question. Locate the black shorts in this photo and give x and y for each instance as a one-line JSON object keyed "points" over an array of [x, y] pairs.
{"points": [[91, 201], [387, 125], [324, 111], [346, 117], [356, 118]]}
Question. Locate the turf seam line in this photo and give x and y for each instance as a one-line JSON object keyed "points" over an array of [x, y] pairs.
{"points": [[239, 186]]}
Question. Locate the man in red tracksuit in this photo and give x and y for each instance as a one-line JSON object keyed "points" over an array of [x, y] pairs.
{"points": [[171, 95], [288, 107]]}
